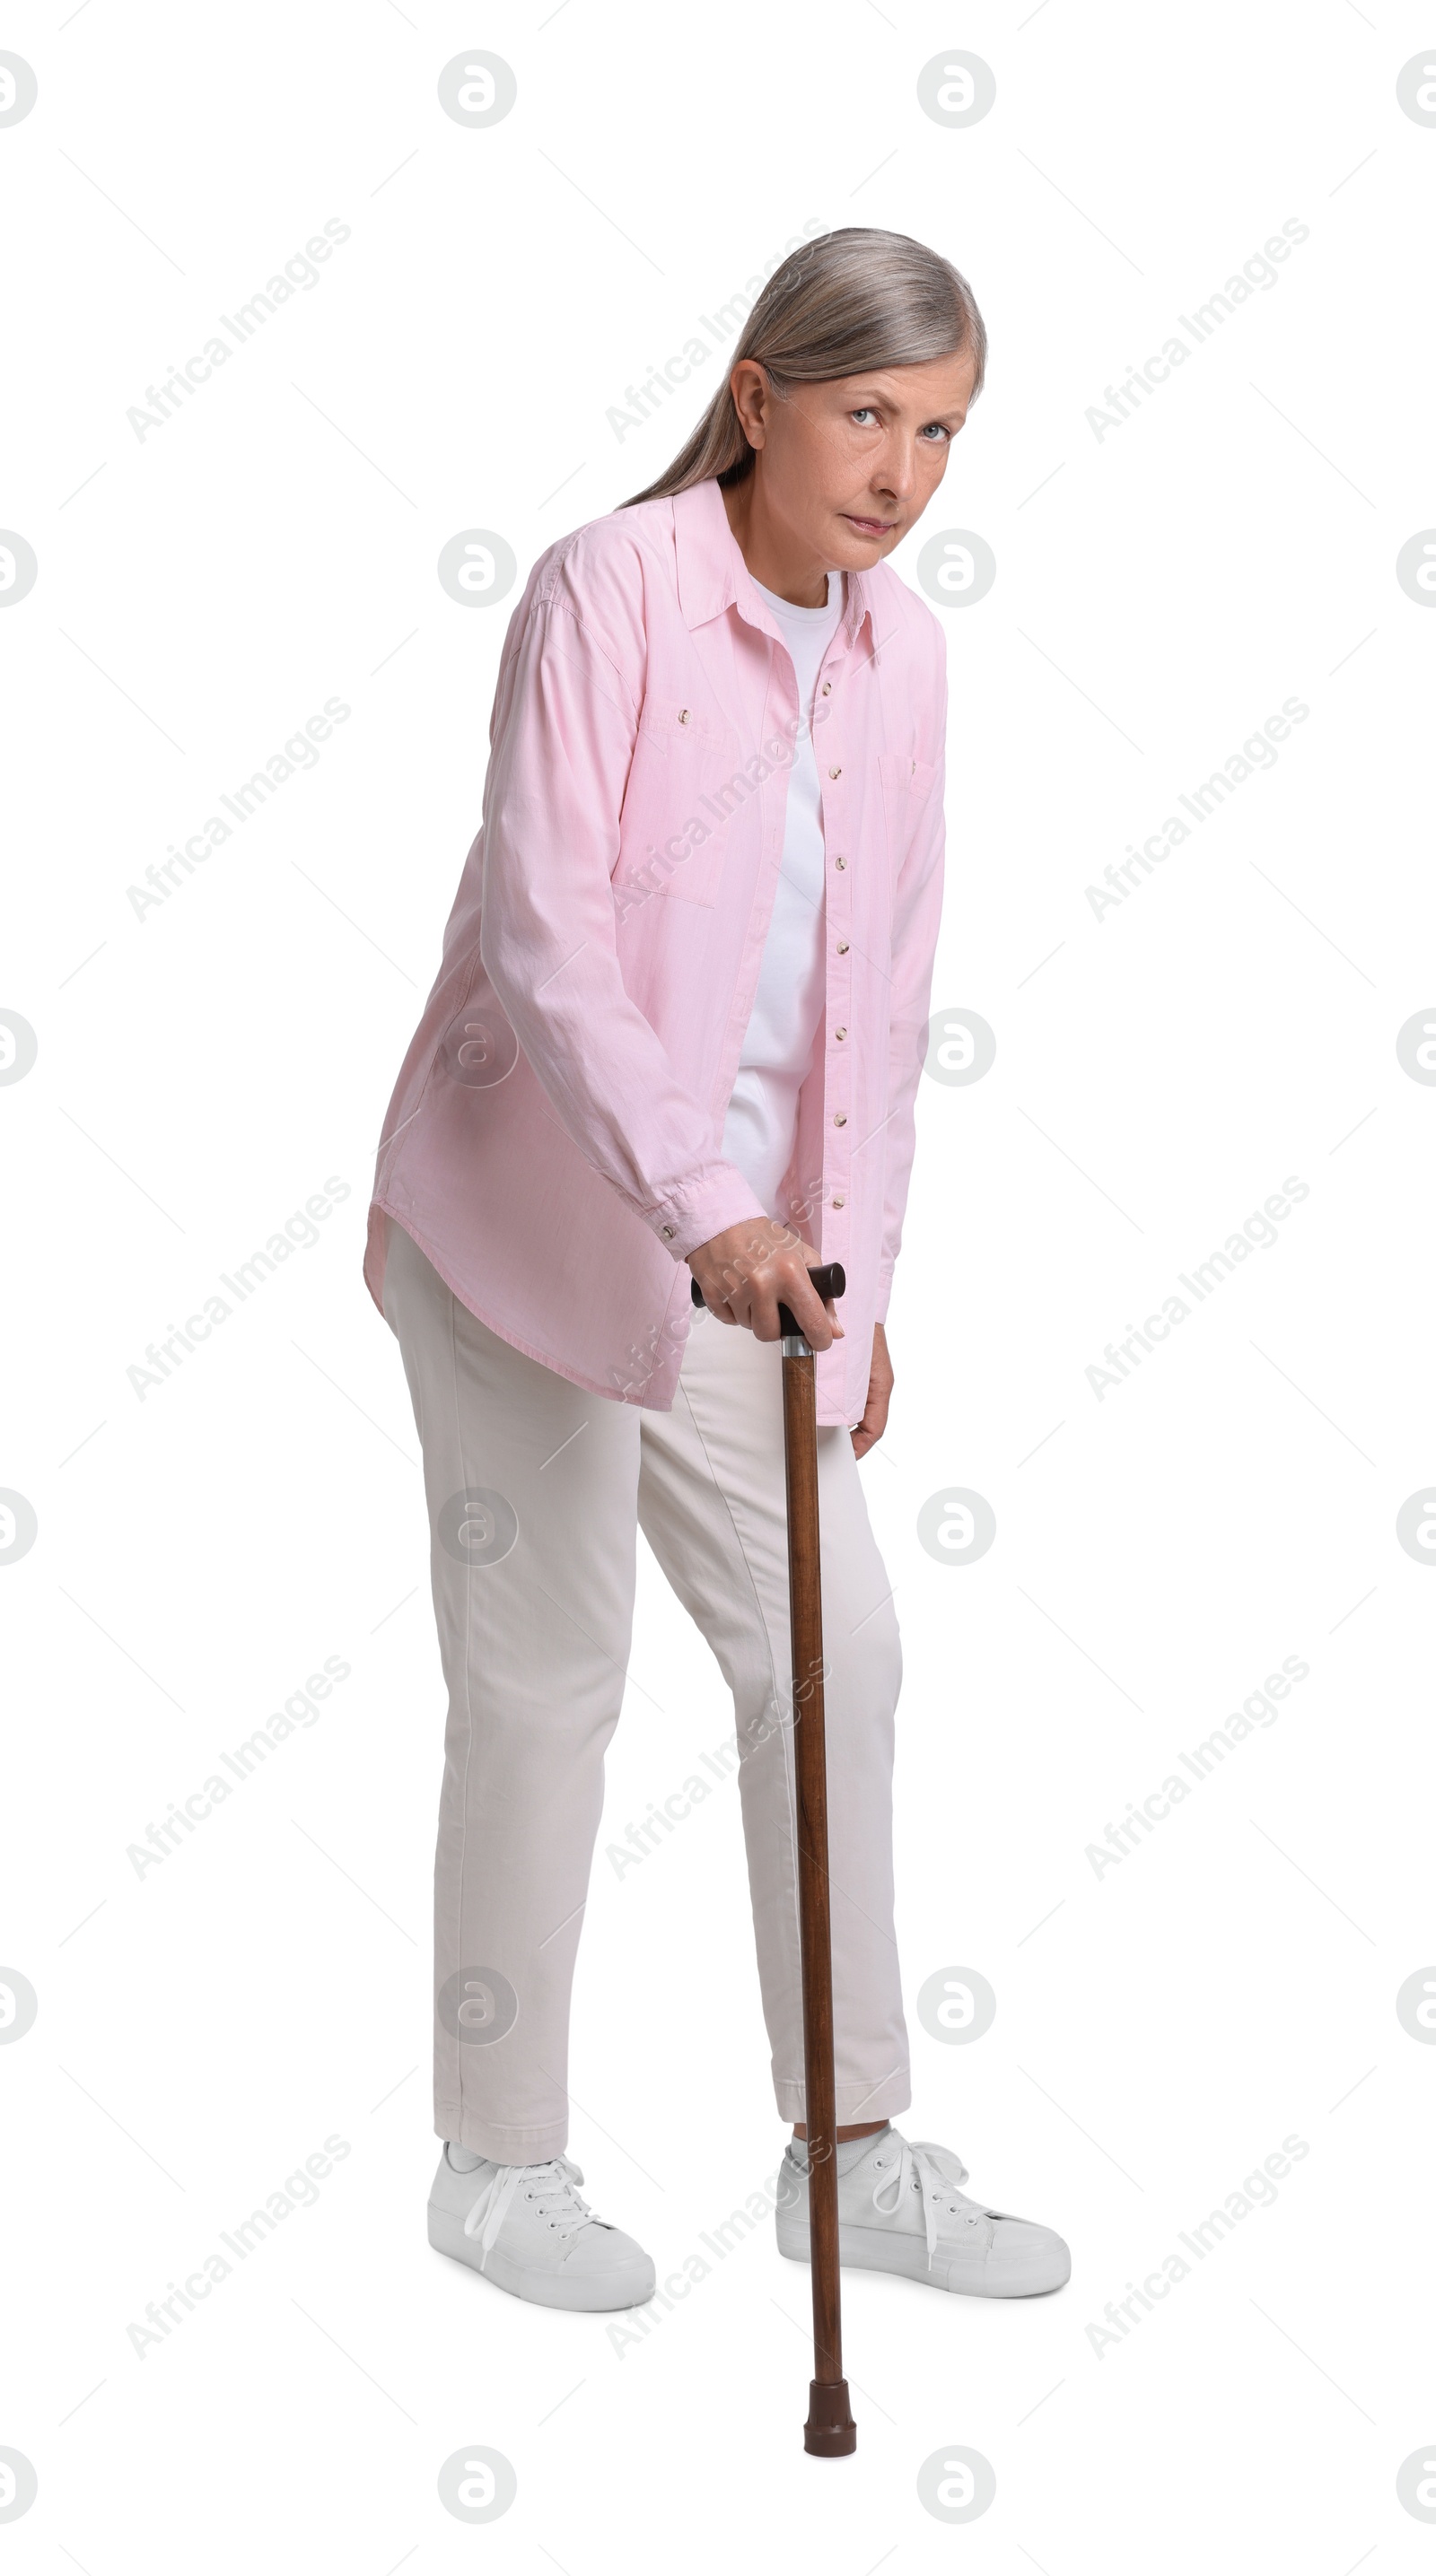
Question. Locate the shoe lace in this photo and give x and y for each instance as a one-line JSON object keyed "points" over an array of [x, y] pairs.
{"points": [[550, 2186], [935, 2172]]}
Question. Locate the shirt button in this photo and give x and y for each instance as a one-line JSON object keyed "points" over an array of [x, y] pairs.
{"points": [[841, 1033], [835, 773], [839, 1118], [668, 1234], [827, 685], [840, 863], [683, 715], [840, 1202], [842, 948]]}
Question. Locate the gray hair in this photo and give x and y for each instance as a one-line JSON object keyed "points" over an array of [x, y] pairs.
{"points": [[839, 306]]}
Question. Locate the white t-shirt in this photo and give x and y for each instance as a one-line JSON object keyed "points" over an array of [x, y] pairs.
{"points": [[777, 1052]]}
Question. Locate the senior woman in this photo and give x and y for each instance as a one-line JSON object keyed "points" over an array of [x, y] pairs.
{"points": [[677, 1034]]}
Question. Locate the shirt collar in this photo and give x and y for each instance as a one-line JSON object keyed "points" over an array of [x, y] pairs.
{"points": [[712, 575]]}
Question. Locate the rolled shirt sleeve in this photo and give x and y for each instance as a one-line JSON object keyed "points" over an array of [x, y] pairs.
{"points": [[562, 743]]}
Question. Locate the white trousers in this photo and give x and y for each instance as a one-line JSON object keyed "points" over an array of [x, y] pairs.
{"points": [[535, 1491]]}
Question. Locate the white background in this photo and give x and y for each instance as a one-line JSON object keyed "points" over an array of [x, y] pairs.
{"points": [[204, 1068]]}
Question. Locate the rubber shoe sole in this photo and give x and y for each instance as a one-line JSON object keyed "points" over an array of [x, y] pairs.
{"points": [[626, 2285], [877, 2249]]}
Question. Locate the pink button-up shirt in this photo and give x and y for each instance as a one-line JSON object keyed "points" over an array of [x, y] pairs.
{"points": [[554, 1142]]}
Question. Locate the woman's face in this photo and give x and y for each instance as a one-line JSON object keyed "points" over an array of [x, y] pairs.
{"points": [[846, 468]]}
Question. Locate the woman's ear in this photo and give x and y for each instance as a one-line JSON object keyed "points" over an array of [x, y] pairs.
{"points": [[751, 397]]}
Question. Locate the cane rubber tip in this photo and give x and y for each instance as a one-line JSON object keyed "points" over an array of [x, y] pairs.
{"points": [[829, 2433]]}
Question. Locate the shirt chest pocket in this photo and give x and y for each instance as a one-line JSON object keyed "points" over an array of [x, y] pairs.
{"points": [[684, 785], [906, 784]]}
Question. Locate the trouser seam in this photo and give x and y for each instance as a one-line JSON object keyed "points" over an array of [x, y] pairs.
{"points": [[461, 1878], [785, 1733]]}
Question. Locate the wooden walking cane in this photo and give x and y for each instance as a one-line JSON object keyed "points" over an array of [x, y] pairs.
{"points": [[829, 2431]]}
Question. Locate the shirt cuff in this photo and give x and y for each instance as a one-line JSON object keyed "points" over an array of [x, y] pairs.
{"points": [[693, 1215]]}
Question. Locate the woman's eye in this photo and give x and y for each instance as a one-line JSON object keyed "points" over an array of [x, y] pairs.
{"points": [[864, 411], [934, 427]]}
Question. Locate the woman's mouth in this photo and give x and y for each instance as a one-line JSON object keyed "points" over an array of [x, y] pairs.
{"points": [[869, 527]]}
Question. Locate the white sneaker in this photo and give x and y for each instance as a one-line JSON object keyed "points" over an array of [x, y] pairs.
{"points": [[899, 2210], [526, 2229]]}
